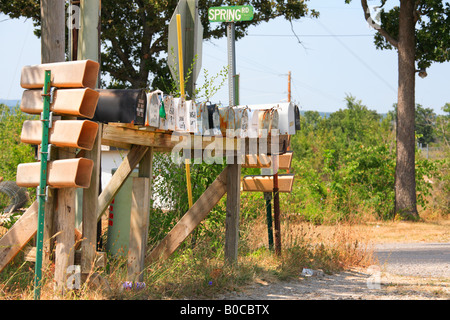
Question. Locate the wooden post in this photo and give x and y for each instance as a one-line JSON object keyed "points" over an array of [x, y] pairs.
{"points": [[52, 50], [139, 218], [140, 206], [90, 205], [88, 35], [65, 236], [233, 210], [88, 48], [53, 26], [133, 157]]}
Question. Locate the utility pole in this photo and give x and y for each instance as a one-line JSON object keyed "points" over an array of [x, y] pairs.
{"points": [[289, 86]]}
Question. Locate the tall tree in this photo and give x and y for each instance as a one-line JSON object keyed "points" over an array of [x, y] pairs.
{"points": [[420, 32], [134, 33]]}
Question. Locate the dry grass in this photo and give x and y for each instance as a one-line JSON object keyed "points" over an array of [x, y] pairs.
{"points": [[401, 231], [201, 272]]}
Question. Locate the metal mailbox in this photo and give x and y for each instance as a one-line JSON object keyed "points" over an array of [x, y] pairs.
{"points": [[227, 119], [241, 121], [286, 113], [213, 120], [154, 101], [169, 122], [121, 105], [262, 120], [192, 116]]}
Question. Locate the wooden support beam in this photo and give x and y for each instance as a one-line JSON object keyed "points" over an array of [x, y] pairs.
{"points": [[29, 254], [65, 236], [139, 218], [191, 219], [53, 40], [90, 205], [233, 210], [140, 207], [18, 236], [139, 137], [260, 183], [123, 134], [126, 167], [265, 161]]}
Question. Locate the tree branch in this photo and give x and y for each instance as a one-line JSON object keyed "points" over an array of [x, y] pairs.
{"points": [[122, 56], [116, 47], [380, 30]]}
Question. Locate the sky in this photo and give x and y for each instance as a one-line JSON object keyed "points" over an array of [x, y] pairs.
{"points": [[336, 58]]}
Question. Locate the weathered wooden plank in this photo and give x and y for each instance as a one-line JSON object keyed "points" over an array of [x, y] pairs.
{"points": [[139, 218], [140, 206], [90, 205], [191, 219], [265, 183], [138, 137], [265, 161], [65, 236], [19, 235], [233, 210], [126, 167], [115, 135], [29, 254]]}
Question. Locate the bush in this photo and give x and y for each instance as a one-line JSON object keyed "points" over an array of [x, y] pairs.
{"points": [[345, 166]]}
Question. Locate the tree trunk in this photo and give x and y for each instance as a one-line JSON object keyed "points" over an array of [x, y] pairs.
{"points": [[405, 183]]}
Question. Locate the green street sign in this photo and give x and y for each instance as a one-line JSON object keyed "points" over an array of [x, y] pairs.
{"points": [[230, 14]]}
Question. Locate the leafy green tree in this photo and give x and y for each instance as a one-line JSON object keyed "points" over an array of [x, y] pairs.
{"points": [[420, 32], [13, 151], [443, 126], [312, 119], [425, 123], [134, 34], [355, 123]]}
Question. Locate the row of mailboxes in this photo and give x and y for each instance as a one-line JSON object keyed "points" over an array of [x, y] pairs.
{"points": [[166, 113], [211, 119]]}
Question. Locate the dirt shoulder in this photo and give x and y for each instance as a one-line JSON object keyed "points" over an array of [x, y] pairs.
{"points": [[356, 284], [411, 263]]}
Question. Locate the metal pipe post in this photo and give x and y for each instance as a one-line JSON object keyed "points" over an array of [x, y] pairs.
{"points": [[231, 62], [45, 118]]}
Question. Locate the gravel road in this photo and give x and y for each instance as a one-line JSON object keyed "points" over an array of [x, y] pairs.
{"points": [[405, 271], [415, 259]]}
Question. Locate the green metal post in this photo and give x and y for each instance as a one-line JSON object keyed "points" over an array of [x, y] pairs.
{"points": [[45, 119]]}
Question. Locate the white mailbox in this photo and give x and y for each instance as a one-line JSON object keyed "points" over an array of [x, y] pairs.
{"points": [[181, 115], [192, 116], [261, 120], [286, 113], [169, 122], [154, 101]]}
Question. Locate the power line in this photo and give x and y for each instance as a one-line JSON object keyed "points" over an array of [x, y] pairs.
{"points": [[311, 35], [368, 67]]}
